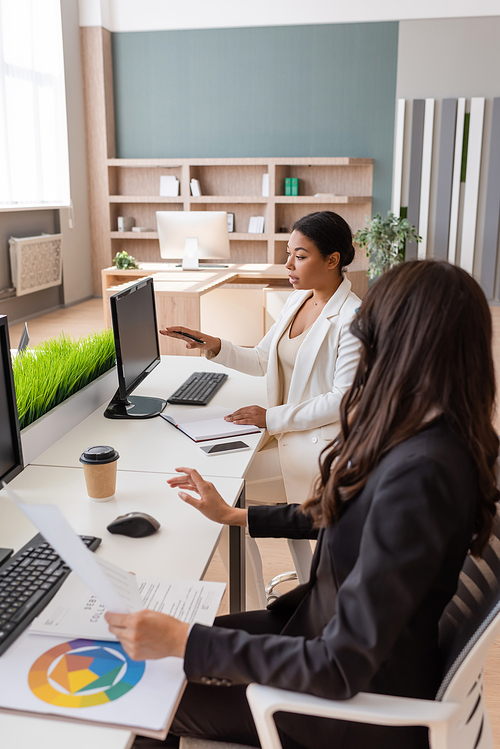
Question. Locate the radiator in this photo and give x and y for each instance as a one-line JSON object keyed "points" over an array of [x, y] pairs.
{"points": [[35, 262]]}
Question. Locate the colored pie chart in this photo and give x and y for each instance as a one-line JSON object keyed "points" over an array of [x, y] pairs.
{"points": [[84, 673]]}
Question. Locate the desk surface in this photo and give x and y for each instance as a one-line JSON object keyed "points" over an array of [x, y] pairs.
{"points": [[170, 553], [153, 444], [149, 449]]}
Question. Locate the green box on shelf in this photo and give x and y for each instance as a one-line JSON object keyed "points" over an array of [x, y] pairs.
{"points": [[288, 186], [294, 186]]}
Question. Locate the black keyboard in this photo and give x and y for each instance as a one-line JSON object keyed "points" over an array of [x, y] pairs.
{"points": [[27, 583], [198, 389]]}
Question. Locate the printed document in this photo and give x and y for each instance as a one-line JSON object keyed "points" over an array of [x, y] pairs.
{"points": [[74, 612]]}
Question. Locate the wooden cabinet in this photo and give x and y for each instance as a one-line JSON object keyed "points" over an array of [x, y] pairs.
{"points": [[234, 185]]}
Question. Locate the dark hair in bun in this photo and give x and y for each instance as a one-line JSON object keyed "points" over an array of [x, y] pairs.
{"points": [[330, 233]]}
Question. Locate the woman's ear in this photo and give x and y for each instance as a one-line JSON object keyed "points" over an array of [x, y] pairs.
{"points": [[334, 261]]}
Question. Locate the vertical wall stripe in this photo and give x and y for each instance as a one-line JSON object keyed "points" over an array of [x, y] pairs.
{"points": [[472, 183], [398, 157], [455, 191], [425, 184], [417, 133], [445, 175], [492, 208], [465, 147]]}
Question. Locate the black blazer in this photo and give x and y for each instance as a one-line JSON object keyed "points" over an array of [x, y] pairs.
{"points": [[367, 620]]}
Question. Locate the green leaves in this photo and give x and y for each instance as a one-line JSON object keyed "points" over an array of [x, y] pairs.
{"points": [[124, 261], [384, 240], [50, 373]]}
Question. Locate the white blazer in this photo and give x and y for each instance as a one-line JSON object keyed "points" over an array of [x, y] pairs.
{"points": [[324, 370]]}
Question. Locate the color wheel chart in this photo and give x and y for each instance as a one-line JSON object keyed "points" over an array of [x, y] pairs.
{"points": [[84, 673]]}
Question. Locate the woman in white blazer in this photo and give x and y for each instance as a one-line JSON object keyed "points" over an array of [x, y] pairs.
{"points": [[313, 330]]}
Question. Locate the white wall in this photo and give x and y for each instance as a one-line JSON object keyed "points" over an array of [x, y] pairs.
{"points": [[149, 15], [76, 241], [449, 58]]}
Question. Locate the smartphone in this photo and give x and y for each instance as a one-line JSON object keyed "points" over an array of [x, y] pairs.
{"points": [[224, 447]]}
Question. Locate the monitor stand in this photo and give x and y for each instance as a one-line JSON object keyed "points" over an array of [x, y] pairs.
{"points": [[191, 261], [135, 407]]}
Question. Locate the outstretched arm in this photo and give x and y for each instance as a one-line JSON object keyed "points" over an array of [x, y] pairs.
{"points": [[209, 502]]}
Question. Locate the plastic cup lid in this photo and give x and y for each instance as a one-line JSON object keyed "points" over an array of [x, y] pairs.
{"points": [[99, 454]]}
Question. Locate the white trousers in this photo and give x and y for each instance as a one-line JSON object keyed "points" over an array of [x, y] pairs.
{"points": [[264, 485]]}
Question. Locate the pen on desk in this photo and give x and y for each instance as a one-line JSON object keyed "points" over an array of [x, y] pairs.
{"points": [[191, 337]]}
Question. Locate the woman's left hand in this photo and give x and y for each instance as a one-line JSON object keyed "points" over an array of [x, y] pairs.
{"points": [[149, 634], [255, 415]]}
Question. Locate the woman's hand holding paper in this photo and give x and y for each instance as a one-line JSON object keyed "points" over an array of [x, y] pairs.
{"points": [[149, 635]]}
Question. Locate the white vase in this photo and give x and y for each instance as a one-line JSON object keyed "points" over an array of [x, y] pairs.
{"points": [[39, 436]]}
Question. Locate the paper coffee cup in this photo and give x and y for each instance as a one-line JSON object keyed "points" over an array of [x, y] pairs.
{"points": [[99, 467]]}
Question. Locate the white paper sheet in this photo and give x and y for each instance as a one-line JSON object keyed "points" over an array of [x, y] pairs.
{"points": [[74, 612], [115, 588]]}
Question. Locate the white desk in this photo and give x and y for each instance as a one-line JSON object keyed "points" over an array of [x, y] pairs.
{"points": [[181, 549], [153, 444], [169, 553], [150, 450]]}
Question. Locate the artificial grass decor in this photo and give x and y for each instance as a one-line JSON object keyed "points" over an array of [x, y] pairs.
{"points": [[52, 371]]}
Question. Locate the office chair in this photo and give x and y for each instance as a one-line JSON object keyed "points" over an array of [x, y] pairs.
{"points": [[457, 717]]}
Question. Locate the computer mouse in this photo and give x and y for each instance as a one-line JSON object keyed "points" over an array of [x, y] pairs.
{"points": [[134, 524]]}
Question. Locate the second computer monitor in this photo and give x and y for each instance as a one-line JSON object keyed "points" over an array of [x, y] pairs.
{"points": [[133, 312], [193, 235]]}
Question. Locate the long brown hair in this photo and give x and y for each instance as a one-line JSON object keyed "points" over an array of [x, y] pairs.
{"points": [[425, 329]]}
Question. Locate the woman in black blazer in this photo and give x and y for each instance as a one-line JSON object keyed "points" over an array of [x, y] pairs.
{"points": [[405, 491]]}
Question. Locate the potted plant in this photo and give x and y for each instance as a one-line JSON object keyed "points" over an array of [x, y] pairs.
{"points": [[124, 261], [59, 383], [384, 240]]}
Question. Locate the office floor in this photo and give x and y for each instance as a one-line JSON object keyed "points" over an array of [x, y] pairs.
{"points": [[84, 318]]}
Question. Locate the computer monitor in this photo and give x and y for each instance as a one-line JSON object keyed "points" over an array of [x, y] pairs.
{"points": [[133, 312], [192, 235], [11, 455]]}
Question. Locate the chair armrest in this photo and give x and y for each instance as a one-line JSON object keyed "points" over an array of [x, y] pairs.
{"points": [[363, 708]]}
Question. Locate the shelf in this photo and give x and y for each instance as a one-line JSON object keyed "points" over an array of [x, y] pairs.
{"points": [[229, 199], [234, 236], [326, 199], [134, 235], [143, 199], [145, 163], [248, 161]]}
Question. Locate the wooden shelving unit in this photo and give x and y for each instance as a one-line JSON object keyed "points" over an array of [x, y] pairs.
{"points": [[235, 185]]}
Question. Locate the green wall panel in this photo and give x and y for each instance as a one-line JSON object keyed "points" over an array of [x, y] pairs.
{"points": [[276, 91]]}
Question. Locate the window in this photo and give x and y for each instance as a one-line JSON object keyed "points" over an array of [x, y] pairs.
{"points": [[33, 133]]}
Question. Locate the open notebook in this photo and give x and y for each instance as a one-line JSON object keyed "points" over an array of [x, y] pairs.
{"points": [[201, 424]]}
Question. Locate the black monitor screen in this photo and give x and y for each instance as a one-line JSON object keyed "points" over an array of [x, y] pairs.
{"points": [[11, 459], [136, 336]]}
